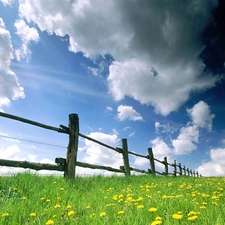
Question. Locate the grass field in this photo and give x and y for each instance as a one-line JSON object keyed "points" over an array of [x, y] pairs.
{"points": [[135, 200]]}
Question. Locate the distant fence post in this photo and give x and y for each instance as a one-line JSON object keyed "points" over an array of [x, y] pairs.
{"points": [[125, 157], [184, 171], [166, 165], [188, 172], [72, 149], [175, 167], [151, 159], [179, 165]]}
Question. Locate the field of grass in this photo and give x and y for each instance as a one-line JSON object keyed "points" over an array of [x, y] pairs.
{"points": [[135, 200]]}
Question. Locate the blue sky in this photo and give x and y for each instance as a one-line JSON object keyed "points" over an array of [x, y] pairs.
{"points": [[151, 72]]}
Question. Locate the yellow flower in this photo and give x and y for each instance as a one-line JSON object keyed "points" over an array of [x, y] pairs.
{"points": [[214, 203], [54, 182], [50, 222], [158, 218], [71, 213], [62, 189], [33, 214], [5, 214], [69, 207], [15, 189], [192, 218], [102, 214], [121, 212], [42, 199], [88, 207], [152, 209], [24, 198], [48, 200], [92, 215], [156, 222], [202, 207], [177, 216], [140, 207], [57, 206]]}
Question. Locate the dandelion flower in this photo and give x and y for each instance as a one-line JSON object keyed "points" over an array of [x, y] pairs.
{"points": [[152, 209], [88, 207], [71, 213], [92, 215], [5, 214], [102, 214], [50, 222], [158, 218], [202, 207], [156, 222], [177, 216], [121, 212], [140, 207], [62, 189], [54, 182], [32, 214], [57, 206], [24, 198], [48, 200], [69, 207], [192, 218]]}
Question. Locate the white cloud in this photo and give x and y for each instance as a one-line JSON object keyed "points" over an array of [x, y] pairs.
{"points": [[186, 140], [164, 128], [109, 109], [200, 115], [216, 166], [128, 113], [100, 155], [10, 87], [155, 44], [6, 2], [27, 35], [160, 148]]}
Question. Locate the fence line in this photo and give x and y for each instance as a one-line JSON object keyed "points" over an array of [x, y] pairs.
{"points": [[68, 164]]}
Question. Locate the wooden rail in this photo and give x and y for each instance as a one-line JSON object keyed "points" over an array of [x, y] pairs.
{"points": [[68, 164]]}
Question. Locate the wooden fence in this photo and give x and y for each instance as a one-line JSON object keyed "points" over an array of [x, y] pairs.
{"points": [[68, 164]]}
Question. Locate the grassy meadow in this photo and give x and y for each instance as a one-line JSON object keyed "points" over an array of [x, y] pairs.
{"points": [[136, 200]]}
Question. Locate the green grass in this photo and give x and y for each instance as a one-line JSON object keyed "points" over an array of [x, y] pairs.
{"points": [[32, 199]]}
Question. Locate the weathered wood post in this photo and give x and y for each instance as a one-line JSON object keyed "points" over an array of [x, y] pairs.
{"points": [[151, 159], [179, 165], [125, 157], [175, 167], [188, 172], [184, 171], [72, 149], [166, 165], [197, 174]]}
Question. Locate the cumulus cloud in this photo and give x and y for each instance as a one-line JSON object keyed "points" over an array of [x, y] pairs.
{"points": [[155, 45], [216, 166], [6, 2], [128, 113], [100, 155], [186, 140], [27, 35], [188, 137], [200, 115], [10, 87]]}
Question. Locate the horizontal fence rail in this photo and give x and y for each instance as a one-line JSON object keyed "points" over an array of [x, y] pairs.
{"points": [[68, 164]]}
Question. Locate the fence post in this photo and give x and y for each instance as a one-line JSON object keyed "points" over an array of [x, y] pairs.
{"points": [[125, 157], [197, 174], [179, 165], [166, 165], [184, 171], [188, 172], [151, 159], [72, 149], [175, 167]]}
